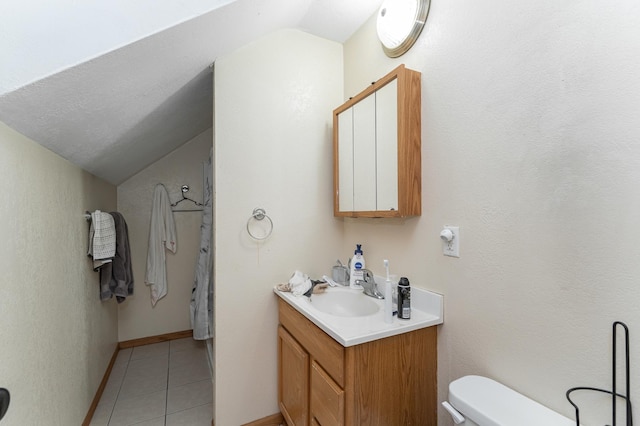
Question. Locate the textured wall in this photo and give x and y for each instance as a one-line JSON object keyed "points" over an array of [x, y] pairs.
{"points": [[57, 337], [273, 106], [530, 145], [136, 317]]}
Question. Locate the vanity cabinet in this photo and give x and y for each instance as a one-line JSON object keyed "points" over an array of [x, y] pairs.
{"points": [[376, 149], [390, 381]]}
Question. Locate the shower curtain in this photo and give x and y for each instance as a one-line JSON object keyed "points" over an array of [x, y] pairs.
{"points": [[202, 293]]}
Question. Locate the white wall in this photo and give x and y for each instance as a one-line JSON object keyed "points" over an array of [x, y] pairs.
{"points": [[530, 145], [273, 103], [136, 317], [57, 337]]}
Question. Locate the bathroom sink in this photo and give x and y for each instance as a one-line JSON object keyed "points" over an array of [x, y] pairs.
{"points": [[344, 303], [351, 318]]}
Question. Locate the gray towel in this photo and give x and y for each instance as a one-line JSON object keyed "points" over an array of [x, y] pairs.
{"points": [[105, 281], [121, 280]]}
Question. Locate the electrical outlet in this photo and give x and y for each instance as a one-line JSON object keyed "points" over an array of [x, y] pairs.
{"points": [[451, 241]]}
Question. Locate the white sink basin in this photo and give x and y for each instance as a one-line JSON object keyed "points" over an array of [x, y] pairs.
{"points": [[344, 303], [352, 318]]}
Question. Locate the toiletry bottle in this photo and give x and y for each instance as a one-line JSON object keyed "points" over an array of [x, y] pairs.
{"points": [[404, 299], [357, 267]]}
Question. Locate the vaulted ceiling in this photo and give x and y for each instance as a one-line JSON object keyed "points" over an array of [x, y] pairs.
{"points": [[114, 85]]}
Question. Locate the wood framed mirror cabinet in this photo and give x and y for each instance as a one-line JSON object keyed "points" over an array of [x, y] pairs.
{"points": [[377, 149]]}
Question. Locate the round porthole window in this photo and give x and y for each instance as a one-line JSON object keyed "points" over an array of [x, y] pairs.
{"points": [[399, 24]]}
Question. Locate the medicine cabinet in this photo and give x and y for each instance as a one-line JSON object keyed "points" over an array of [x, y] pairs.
{"points": [[376, 149]]}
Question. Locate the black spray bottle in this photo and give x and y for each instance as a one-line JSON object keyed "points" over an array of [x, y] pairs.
{"points": [[404, 299]]}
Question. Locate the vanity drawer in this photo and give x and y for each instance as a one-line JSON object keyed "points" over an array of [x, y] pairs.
{"points": [[326, 351], [327, 399]]}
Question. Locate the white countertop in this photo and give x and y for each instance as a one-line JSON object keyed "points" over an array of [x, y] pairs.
{"points": [[426, 311]]}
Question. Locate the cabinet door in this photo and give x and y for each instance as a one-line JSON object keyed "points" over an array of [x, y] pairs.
{"points": [[387, 147], [345, 165], [327, 399], [364, 155], [293, 366]]}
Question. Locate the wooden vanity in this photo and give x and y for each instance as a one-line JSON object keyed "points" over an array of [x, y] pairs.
{"points": [[390, 381]]}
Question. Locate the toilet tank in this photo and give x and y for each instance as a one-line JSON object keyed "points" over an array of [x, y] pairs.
{"points": [[485, 402]]}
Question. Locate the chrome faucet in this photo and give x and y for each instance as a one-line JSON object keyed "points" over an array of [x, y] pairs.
{"points": [[369, 285]]}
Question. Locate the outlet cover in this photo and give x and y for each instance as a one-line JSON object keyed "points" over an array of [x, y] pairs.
{"points": [[452, 248]]}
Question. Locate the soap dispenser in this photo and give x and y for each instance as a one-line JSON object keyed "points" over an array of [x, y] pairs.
{"points": [[357, 267]]}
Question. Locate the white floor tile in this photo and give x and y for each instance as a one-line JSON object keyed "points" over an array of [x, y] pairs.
{"points": [[198, 416], [186, 344], [147, 351], [158, 421], [145, 376], [116, 377], [143, 365], [123, 356], [137, 386], [188, 374], [111, 390], [119, 369], [102, 414], [147, 367], [189, 396], [188, 367], [186, 358], [129, 411]]}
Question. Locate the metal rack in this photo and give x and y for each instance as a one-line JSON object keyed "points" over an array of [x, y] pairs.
{"points": [[614, 394]]}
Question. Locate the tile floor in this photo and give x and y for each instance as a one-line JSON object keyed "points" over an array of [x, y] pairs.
{"points": [[162, 384]]}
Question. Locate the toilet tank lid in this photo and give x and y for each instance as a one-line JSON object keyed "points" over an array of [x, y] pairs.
{"points": [[490, 403]]}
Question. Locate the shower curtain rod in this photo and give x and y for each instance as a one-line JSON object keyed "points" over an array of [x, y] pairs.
{"points": [[186, 210], [87, 216]]}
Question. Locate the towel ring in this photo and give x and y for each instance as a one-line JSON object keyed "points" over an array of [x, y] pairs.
{"points": [[259, 214]]}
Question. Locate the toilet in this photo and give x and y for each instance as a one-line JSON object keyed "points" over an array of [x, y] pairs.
{"points": [[480, 401]]}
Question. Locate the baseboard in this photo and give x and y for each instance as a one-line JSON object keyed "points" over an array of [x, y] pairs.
{"points": [[155, 339], [273, 420], [103, 384], [124, 345]]}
